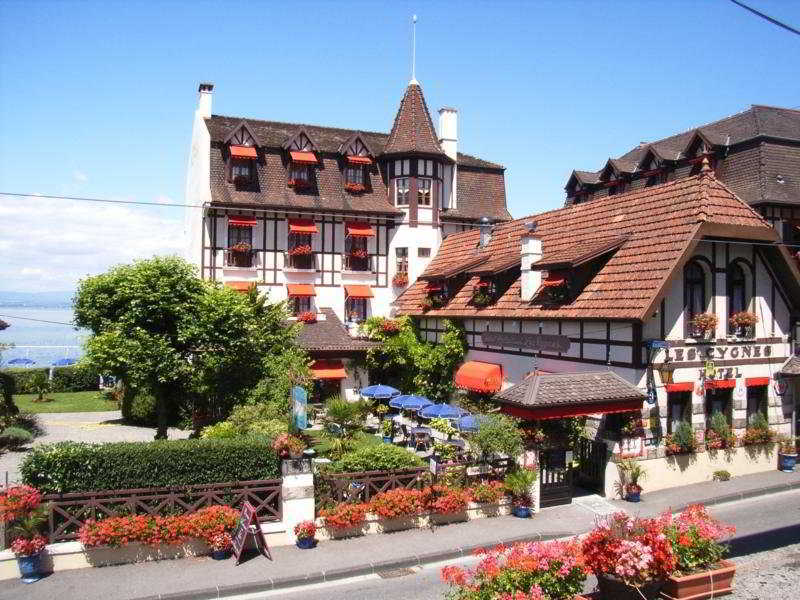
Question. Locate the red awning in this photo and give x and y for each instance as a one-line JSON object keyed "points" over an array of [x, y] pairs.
{"points": [[239, 286], [685, 386], [328, 369], [359, 230], [248, 152], [479, 376], [756, 381], [359, 160], [720, 384], [578, 410], [303, 158], [553, 280], [241, 222], [358, 291], [300, 290], [302, 226]]}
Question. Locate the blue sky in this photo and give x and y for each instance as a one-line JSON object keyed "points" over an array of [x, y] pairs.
{"points": [[96, 98]]}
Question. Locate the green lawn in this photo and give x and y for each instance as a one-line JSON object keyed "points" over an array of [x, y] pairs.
{"points": [[64, 402]]}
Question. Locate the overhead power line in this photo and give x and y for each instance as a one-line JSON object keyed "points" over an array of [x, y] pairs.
{"points": [[37, 320], [766, 17]]}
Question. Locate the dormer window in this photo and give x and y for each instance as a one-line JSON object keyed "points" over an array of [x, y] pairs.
{"points": [[299, 176], [242, 155], [242, 171], [402, 191], [354, 178]]}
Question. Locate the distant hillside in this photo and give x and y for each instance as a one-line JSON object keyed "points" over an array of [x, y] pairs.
{"points": [[9, 298]]}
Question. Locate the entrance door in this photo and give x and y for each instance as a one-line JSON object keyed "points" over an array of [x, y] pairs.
{"points": [[592, 458], [555, 478]]}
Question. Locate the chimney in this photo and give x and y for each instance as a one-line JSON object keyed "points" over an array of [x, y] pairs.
{"points": [[204, 99], [448, 131], [531, 253], [485, 225]]}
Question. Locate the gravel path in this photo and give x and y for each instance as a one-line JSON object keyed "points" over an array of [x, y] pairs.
{"points": [[82, 427], [771, 574]]}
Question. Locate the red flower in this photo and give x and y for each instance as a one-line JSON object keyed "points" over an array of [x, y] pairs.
{"points": [[397, 503], [28, 547], [344, 516], [18, 502]]}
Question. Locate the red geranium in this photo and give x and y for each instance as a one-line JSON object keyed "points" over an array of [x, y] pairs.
{"points": [[400, 280], [18, 502], [307, 317], [28, 547], [344, 516], [397, 503], [305, 530], [442, 500], [390, 326], [491, 492]]}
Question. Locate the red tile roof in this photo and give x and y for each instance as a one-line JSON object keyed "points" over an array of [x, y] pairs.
{"points": [[661, 225]]}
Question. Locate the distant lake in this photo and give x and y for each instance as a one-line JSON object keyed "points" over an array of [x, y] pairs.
{"points": [[37, 340]]}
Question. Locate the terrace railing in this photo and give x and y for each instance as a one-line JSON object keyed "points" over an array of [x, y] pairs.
{"points": [[68, 512], [361, 487]]}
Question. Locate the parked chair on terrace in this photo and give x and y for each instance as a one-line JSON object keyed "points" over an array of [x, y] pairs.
{"points": [[422, 441]]}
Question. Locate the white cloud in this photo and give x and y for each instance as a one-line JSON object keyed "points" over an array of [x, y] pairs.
{"points": [[80, 176], [49, 244]]}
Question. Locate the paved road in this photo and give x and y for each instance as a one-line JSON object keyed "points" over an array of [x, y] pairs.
{"points": [[769, 525], [82, 427]]}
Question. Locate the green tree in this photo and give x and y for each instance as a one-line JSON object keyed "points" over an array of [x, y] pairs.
{"points": [[497, 434]]}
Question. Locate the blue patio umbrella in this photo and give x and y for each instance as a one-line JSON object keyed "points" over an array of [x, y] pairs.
{"points": [[64, 362], [409, 402], [22, 361], [379, 391], [470, 422], [443, 411]]}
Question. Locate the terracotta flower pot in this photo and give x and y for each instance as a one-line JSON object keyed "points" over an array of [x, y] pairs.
{"points": [[698, 586], [613, 587]]}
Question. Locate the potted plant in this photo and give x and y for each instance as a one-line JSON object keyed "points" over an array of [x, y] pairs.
{"points": [[241, 247], [787, 453], [519, 483], [427, 303], [307, 317], [699, 571], [400, 279], [299, 184], [381, 411], [743, 324], [481, 299], [300, 250], [387, 428], [359, 253], [221, 544], [719, 435], [28, 551], [305, 531], [288, 446], [758, 431], [682, 440], [704, 324], [345, 519], [632, 473]]}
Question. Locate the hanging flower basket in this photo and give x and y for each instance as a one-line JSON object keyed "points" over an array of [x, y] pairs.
{"points": [[301, 250], [400, 280], [355, 188]]}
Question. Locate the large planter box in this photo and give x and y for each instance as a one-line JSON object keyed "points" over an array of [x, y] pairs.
{"points": [[447, 518], [698, 586], [398, 524], [104, 556], [613, 588]]}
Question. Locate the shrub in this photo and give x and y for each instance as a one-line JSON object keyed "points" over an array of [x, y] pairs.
{"points": [[205, 524], [397, 503], [18, 502], [497, 434], [77, 467], [682, 440], [74, 378], [443, 426], [269, 428], [15, 437], [491, 492], [721, 475], [344, 516], [529, 571], [29, 422], [720, 434], [383, 457], [219, 431]]}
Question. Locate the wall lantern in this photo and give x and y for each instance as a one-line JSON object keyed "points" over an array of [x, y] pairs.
{"points": [[666, 371]]}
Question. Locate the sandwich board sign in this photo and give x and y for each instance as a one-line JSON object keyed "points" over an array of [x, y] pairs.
{"points": [[246, 528]]}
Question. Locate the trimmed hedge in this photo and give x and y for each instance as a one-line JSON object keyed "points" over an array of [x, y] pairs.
{"points": [[78, 467], [76, 378], [380, 457]]}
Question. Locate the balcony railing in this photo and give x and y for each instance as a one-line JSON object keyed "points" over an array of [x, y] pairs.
{"points": [[300, 261], [238, 258], [357, 263]]}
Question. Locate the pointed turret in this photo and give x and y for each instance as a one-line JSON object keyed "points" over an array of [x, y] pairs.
{"points": [[413, 132]]}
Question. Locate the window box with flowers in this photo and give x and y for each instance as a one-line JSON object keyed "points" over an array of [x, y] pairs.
{"points": [[703, 326], [307, 317], [345, 519], [682, 440], [299, 184], [355, 188], [240, 255], [446, 505], [400, 280], [743, 324], [481, 298], [300, 256]]}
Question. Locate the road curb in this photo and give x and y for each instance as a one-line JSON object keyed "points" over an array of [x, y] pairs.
{"points": [[733, 497]]}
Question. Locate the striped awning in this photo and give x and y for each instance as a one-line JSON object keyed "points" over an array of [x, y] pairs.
{"points": [[246, 152]]}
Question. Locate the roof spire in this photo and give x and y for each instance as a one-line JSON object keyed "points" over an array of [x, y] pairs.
{"points": [[413, 51]]}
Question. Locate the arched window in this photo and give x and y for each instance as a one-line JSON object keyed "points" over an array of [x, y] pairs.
{"points": [[737, 289], [694, 289]]}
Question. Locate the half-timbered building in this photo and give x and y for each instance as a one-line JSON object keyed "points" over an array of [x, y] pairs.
{"points": [[331, 218], [756, 153], [622, 278]]}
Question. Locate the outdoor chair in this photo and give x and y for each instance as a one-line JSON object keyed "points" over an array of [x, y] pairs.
{"points": [[422, 440], [406, 435]]}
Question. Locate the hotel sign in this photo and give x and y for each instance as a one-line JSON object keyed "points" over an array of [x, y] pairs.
{"points": [[532, 341], [716, 353]]}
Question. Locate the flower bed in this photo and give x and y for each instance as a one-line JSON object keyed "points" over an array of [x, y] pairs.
{"points": [[528, 571], [345, 519]]}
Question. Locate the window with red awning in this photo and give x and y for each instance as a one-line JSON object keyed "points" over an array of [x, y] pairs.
{"points": [[358, 291], [300, 290], [244, 152], [359, 230], [303, 158], [479, 376], [686, 386], [328, 369], [302, 226], [241, 222], [720, 384], [553, 280]]}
